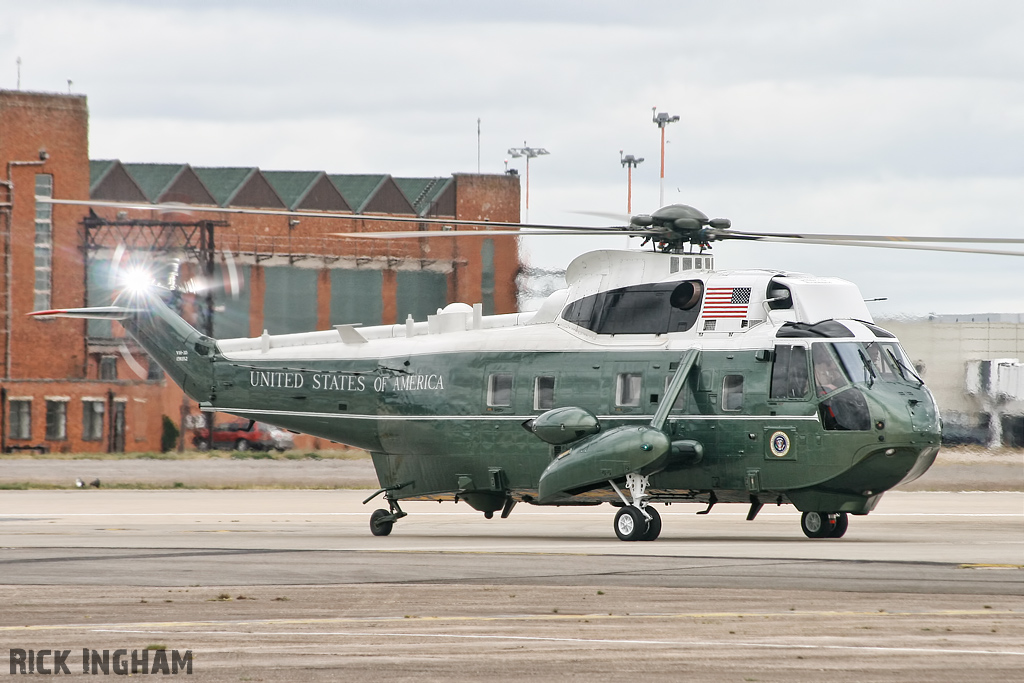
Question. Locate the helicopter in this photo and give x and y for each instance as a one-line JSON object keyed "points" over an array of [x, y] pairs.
{"points": [[651, 378]]}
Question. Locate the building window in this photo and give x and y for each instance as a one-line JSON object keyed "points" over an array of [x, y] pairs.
{"points": [[544, 393], [154, 371], [108, 367], [627, 389], [56, 420], [732, 392], [92, 419], [20, 419], [499, 389], [43, 244]]}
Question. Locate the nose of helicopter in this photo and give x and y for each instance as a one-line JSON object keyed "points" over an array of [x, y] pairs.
{"points": [[907, 433]]}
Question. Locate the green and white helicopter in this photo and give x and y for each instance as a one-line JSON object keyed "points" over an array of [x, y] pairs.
{"points": [[651, 378]]}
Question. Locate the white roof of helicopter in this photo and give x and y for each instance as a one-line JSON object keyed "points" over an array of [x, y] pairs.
{"points": [[814, 299]]}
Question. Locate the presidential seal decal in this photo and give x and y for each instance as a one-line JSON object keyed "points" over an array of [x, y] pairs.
{"points": [[780, 444]]}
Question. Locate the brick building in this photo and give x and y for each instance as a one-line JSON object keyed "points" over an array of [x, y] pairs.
{"points": [[76, 385]]}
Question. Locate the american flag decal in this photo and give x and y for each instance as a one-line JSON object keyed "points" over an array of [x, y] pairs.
{"points": [[726, 302]]}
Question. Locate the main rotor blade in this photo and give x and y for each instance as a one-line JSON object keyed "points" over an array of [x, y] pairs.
{"points": [[887, 245], [798, 236], [324, 214], [400, 234]]}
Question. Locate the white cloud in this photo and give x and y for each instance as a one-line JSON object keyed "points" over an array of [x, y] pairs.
{"points": [[798, 115]]}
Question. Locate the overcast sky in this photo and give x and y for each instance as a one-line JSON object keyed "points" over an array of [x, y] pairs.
{"points": [[883, 117]]}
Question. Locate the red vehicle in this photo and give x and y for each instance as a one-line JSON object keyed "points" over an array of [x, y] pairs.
{"points": [[243, 435]]}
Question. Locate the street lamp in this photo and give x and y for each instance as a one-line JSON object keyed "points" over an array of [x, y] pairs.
{"points": [[630, 162], [529, 153], [661, 119]]}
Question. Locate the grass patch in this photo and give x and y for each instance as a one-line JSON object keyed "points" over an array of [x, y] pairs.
{"points": [[252, 455], [349, 454], [206, 486]]}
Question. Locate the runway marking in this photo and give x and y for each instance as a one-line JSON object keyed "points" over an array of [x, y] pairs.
{"points": [[505, 617], [603, 641]]}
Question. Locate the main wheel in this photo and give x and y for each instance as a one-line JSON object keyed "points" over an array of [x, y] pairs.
{"points": [[653, 526], [842, 523], [630, 524], [379, 527], [816, 524]]}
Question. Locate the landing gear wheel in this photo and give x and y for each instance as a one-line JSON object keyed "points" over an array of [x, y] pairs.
{"points": [[241, 445], [630, 524], [842, 522], [653, 526], [816, 524], [379, 527]]}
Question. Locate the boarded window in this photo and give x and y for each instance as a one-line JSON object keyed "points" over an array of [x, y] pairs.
{"points": [[420, 293], [289, 303], [487, 276], [356, 297], [231, 301]]}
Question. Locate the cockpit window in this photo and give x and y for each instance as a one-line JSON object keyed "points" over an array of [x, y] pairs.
{"points": [[789, 372], [903, 366], [859, 365], [828, 375], [657, 308], [875, 360]]}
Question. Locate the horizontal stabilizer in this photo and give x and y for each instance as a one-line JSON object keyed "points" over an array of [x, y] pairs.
{"points": [[93, 313]]}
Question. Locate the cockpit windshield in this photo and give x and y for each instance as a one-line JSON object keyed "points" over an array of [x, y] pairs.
{"points": [[828, 375], [871, 361]]}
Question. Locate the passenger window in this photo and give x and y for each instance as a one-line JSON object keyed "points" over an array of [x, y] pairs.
{"points": [[627, 389], [789, 372], [499, 389], [732, 392], [544, 393]]}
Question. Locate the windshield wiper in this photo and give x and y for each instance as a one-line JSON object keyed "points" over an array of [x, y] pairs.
{"points": [[867, 366], [903, 366]]}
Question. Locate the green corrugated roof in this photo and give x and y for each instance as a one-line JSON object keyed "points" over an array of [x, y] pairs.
{"points": [[153, 179], [291, 186], [357, 189], [421, 192], [97, 169], [223, 183]]}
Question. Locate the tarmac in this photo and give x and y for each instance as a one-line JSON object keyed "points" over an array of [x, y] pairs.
{"points": [[289, 585]]}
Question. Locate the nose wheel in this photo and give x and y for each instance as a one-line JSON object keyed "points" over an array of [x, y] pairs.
{"points": [[824, 524]]}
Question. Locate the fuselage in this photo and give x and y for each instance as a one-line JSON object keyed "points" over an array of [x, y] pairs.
{"points": [[791, 394]]}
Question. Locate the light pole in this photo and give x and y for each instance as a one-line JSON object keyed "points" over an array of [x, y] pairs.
{"points": [[630, 162], [661, 119], [529, 153]]}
